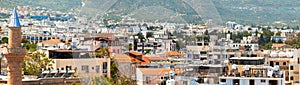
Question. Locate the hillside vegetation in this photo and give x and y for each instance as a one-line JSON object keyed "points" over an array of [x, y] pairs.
{"points": [[265, 12]]}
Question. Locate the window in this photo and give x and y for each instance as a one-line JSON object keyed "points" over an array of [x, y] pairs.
{"points": [[284, 63], [97, 68], [277, 63], [223, 80], [292, 78], [104, 65], [85, 68], [236, 82], [185, 82], [147, 79], [263, 81], [292, 67], [68, 67]]}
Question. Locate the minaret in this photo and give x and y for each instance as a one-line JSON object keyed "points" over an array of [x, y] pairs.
{"points": [[14, 52]]}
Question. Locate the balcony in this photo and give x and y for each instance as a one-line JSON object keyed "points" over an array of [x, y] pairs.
{"points": [[295, 72], [284, 67], [14, 51]]}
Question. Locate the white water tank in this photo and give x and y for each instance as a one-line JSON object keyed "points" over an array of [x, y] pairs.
{"points": [[170, 82]]}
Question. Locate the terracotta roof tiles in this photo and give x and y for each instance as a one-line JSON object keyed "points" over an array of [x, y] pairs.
{"points": [[52, 41]]}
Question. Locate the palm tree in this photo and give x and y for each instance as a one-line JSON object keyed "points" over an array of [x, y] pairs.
{"points": [[33, 64], [101, 53], [1, 65]]}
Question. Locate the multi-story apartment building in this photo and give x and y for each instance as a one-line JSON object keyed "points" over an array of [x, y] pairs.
{"points": [[85, 64]]}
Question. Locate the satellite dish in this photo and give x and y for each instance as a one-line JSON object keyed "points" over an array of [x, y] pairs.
{"points": [[234, 66], [247, 67], [172, 73], [270, 73], [276, 68], [166, 75]]}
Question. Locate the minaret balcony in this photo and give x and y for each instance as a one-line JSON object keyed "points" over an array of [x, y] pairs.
{"points": [[18, 50]]}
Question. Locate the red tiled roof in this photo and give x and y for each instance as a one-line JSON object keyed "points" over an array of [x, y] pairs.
{"points": [[278, 45], [122, 58], [135, 53], [157, 71], [172, 53], [52, 41], [151, 58]]}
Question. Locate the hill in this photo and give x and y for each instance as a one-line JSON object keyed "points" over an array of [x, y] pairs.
{"points": [[264, 12]]}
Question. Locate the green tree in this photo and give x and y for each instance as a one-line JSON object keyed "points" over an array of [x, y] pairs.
{"points": [[246, 34], [28, 46], [268, 27], [129, 47], [101, 80], [140, 35], [104, 51], [206, 36], [151, 28], [149, 34], [278, 33], [268, 46], [256, 32], [33, 64], [288, 27], [147, 51], [261, 40], [115, 79], [279, 41], [4, 40], [265, 37]]}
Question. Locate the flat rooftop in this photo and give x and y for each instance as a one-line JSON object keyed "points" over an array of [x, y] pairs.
{"points": [[253, 78], [246, 58]]}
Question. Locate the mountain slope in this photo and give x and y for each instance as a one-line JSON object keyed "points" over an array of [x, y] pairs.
{"points": [[249, 12]]}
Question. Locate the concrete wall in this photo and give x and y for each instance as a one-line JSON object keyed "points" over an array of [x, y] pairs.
{"points": [[90, 62], [49, 81], [139, 77], [256, 82], [128, 69]]}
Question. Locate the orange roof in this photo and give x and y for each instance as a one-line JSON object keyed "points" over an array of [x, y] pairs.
{"points": [[157, 71], [151, 58], [52, 41], [152, 71], [278, 45], [127, 58], [135, 60], [135, 53], [122, 58], [144, 58], [172, 53], [177, 71]]}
